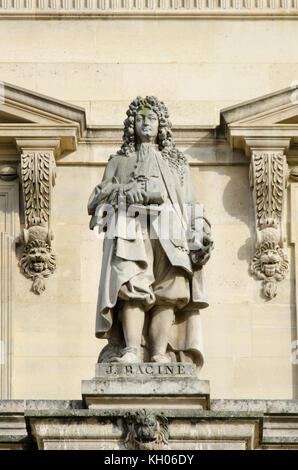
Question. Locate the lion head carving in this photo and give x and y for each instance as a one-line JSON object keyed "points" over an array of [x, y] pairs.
{"points": [[146, 430], [270, 264], [37, 262]]}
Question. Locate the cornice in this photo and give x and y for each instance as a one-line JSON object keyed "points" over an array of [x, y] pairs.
{"points": [[146, 9], [183, 135]]}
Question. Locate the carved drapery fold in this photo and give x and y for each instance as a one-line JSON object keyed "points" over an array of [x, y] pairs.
{"points": [[268, 178], [37, 174]]}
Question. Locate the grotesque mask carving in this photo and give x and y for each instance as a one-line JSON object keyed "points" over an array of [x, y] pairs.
{"points": [[146, 430], [270, 264], [37, 262]]}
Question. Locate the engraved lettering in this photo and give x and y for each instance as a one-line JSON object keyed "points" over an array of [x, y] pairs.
{"points": [[180, 369], [128, 369], [169, 369], [149, 370]]}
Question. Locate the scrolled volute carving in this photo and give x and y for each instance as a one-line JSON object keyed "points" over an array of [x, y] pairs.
{"points": [[145, 430], [37, 174]]}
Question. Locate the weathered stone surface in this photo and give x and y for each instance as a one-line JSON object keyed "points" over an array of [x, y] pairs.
{"points": [[261, 406], [146, 385], [12, 406], [230, 424], [13, 429], [39, 405], [280, 429], [103, 432], [145, 370]]}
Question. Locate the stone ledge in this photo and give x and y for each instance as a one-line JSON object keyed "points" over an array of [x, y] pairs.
{"points": [[230, 424], [146, 385], [281, 440], [120, 412], [217, 406], [10, 438], [20, 406], [263, 406], [108, 433]]}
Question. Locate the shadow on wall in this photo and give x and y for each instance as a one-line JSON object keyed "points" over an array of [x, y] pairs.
{"points": [[236, 198], [237, 203]]}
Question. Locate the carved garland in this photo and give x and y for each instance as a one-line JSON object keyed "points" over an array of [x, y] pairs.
{"points": [[38, 177], [268, 175]]}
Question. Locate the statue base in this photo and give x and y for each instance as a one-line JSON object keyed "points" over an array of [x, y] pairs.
{"points": [[146, 385]]}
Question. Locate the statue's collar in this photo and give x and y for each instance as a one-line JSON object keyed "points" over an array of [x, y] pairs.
{"points": [[147, 146]]}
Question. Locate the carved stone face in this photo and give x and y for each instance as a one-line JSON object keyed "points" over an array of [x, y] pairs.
{"points": [[270, 264], [146, 429], [38, 257], [270, 261], [146, 125]]}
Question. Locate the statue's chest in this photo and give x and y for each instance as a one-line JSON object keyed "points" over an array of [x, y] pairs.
{"points": [[131, 169]]}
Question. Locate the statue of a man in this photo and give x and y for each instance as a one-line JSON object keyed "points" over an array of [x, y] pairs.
{"points": [[152, 281]]}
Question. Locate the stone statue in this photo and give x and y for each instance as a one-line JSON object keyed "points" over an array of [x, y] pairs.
{"points": [[157, 240]]}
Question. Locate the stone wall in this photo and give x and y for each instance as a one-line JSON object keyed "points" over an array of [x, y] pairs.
{"points": [[198, 66], [229, 425]]}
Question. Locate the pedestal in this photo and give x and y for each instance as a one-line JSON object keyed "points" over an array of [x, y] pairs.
{"points": [[146, 385]]}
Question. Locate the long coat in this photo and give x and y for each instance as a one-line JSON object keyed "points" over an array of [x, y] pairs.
{"points": [[186, 332]]}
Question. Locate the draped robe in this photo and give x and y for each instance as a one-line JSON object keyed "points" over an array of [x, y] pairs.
{"points": [[125, 257]]}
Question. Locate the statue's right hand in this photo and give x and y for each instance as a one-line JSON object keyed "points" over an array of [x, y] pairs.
{"points": [[136, 196]]}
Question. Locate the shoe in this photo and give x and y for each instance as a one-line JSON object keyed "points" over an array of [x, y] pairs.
{"points": [[160, 358], [129, 356]]}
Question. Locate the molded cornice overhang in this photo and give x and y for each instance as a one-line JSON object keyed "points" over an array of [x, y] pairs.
{"points": [[26, 114], [157, 9], [34, 131], [266, 129], [270, 121]]}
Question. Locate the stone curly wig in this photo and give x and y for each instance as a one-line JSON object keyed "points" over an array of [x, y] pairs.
{"points": [[165, 141]]}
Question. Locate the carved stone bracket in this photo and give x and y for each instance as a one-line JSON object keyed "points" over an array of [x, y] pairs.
{"points": [[265, 129], [37, 174], [294, 231], [268, 179]]}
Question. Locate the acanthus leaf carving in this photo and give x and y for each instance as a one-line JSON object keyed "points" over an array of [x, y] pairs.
{"points": [[36, 169], [268, 175], [37, 173]]}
